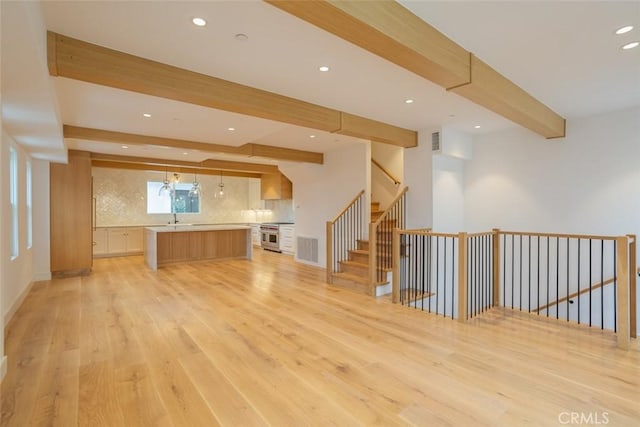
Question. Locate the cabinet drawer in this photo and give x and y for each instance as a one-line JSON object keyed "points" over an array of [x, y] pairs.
{"points": [[286, 232]]}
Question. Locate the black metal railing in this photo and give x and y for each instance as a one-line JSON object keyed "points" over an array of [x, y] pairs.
{"points": [[381, 239], [344, 232], [577, 278], [480, 273], [425, 275], [568, 277]]}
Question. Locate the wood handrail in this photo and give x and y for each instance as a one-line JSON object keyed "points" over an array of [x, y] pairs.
{"points": [[395, 200], [347, 207], [562, 236], [594, 286], [386, 172]]}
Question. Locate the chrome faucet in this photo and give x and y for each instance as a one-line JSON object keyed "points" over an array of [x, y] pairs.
{"points": [[175, 218]]}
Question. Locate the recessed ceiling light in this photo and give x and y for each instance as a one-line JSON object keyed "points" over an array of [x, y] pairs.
{"points": [[408, 101], [200, 22], [241, 37], [624, 29], [147, 115], [125, 147], [477, 126], [231, 129], [630, 45], [451, 116], [312, 136], [184, 153], [324, 68]]}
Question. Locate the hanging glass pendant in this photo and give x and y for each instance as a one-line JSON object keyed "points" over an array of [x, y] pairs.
{"points": [[220, 192], [195, 188], [166, 189]]}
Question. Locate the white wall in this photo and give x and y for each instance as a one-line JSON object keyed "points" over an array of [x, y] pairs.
{"points": [[41, 220], [391, 158], [321, 191], [448, 180], [585, 183], [448, 194], [17, 274], [418, 177]]}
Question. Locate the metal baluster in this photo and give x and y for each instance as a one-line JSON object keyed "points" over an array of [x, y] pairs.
{"points": [[579, 274], [602, 284], [590, 279], [615, 286], [529, 292], [548, 277], [557, 276]]}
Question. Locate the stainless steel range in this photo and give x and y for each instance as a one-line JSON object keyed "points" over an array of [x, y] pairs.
{"points": [[270, 237]]}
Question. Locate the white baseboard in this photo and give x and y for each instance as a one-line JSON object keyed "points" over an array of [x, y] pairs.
{"points": [[16, 304], [38, 277], [3, 368]]}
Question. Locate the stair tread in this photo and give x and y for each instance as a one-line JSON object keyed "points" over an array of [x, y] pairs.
{"points": [[358, 279], [353, 277], [355, 263], [359, 251]]}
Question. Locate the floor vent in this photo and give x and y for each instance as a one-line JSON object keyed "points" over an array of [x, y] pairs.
{"points": [[308, 249]]}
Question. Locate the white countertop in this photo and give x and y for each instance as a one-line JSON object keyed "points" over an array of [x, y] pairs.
{"points": [[179, 228]]}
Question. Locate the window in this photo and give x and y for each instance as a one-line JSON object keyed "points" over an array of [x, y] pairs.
{"points": [[13, 199], [182, 201], [29, 198]]}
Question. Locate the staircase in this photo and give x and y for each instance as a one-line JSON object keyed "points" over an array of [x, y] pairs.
{"points": [[354, 272]]}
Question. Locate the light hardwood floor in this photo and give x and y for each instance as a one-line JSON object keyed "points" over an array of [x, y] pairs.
{"points": [[266, 342]]}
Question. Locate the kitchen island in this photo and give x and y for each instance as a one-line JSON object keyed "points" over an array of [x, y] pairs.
{"points": [[184, 243]]}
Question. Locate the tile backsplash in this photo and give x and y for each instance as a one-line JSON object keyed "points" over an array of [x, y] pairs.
{"points": [[121, 200]]}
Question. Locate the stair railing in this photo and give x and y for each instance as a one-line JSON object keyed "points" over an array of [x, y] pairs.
{"points": [[583, 279], [343, 233], [388, 174], [380, 240]]}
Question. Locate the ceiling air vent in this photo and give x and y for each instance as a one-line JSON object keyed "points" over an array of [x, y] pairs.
{"points": [[435, 141]]}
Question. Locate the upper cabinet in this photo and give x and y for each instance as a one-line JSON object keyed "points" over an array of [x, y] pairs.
{"points": [[255, 200], [275, 187]]}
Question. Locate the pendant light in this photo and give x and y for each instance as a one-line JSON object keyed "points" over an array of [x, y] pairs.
{"points": [[195, 189], [220, 192], [166, 186]]}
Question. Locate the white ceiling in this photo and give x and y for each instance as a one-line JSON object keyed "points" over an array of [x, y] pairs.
{"points": [[563, 53]]}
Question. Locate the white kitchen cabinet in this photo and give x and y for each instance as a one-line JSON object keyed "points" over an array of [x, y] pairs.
{"points": [[255, 235], [135, 240], [100, 240], [255, 202], [287, 241], [118, 241]]}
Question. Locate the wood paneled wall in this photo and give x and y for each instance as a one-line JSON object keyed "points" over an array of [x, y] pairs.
{"points": [[71, 199]]}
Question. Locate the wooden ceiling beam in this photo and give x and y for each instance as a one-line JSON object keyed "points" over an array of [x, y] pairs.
{"points": [[497, 93], [79, 60], [362, 127], [101, 135], [169, 169], [225, 165], [239, 166], [392, 32], [280, 153], [249, 150]]}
